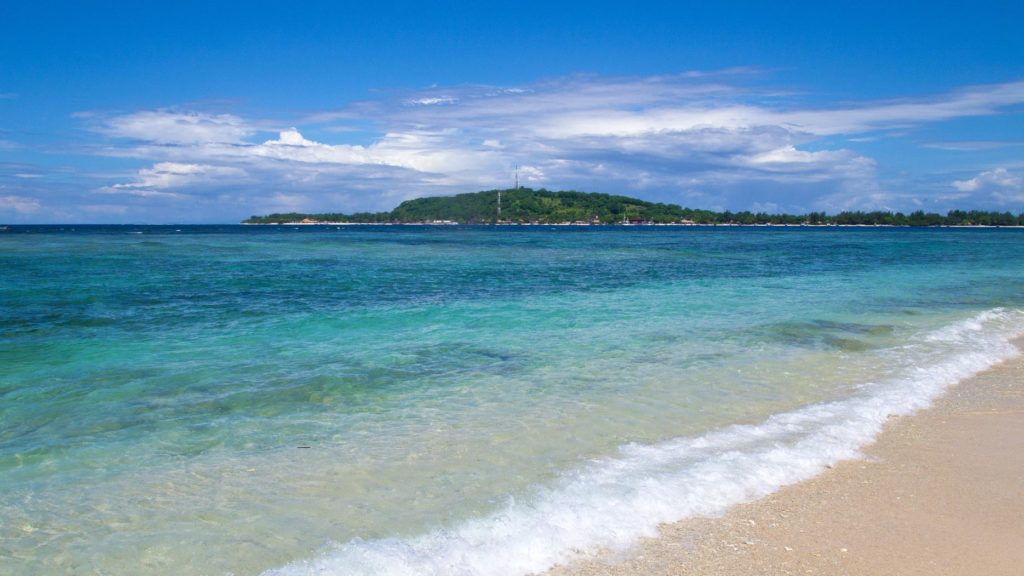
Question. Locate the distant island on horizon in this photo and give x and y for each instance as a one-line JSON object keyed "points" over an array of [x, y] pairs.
{"points": [[529, 206]]}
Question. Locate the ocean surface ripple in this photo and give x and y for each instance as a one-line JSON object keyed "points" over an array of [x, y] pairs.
{"points": [[453, 400]]}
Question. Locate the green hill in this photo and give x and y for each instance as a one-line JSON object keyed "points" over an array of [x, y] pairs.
{"points": [[520, 205], [524, 205]]}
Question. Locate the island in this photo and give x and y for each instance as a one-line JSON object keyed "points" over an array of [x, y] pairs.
{"points": [[529, 206]]}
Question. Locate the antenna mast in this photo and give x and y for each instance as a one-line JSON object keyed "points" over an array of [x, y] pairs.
{"points": [[517, 176]]}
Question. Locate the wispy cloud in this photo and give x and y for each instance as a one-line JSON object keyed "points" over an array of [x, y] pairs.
{"points": [[675, 138], [971, 101], [179, 128], [163, 176], [971, 145]]}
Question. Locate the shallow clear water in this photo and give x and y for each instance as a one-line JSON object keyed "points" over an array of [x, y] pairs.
{"points": [[214, 400]]}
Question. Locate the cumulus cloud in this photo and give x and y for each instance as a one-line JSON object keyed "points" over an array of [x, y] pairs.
{"points": [[672, 138], [998, 178], [1004, 187]]}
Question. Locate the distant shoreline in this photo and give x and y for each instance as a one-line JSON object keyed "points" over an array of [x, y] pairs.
{"points": [[645, 225], [525, 206], [11, 228]]}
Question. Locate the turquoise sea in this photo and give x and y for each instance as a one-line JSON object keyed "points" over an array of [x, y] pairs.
{"points": [[453, 400]]}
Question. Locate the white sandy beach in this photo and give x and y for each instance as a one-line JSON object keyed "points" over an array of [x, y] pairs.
{"points": [[940, 493]]}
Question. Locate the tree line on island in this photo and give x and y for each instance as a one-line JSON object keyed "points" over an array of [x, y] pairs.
{"points": [[525, 205]]}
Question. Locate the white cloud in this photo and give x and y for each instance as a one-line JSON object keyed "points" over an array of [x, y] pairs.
{"points": [[972, 101], [433, 101], [587, 105], [666, 136], [168, 127], [531, 174], [290, 137], [998, 178], [971, 145], [20, 204], [153, 182]]}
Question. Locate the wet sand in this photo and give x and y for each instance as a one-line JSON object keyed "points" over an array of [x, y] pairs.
{"points": [[940, 493]]}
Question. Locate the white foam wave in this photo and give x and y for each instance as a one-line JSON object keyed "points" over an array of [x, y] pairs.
{"points": [[612, 502]]}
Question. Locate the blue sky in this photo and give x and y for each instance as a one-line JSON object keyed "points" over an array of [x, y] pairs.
{"points": [[181, 112]]}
